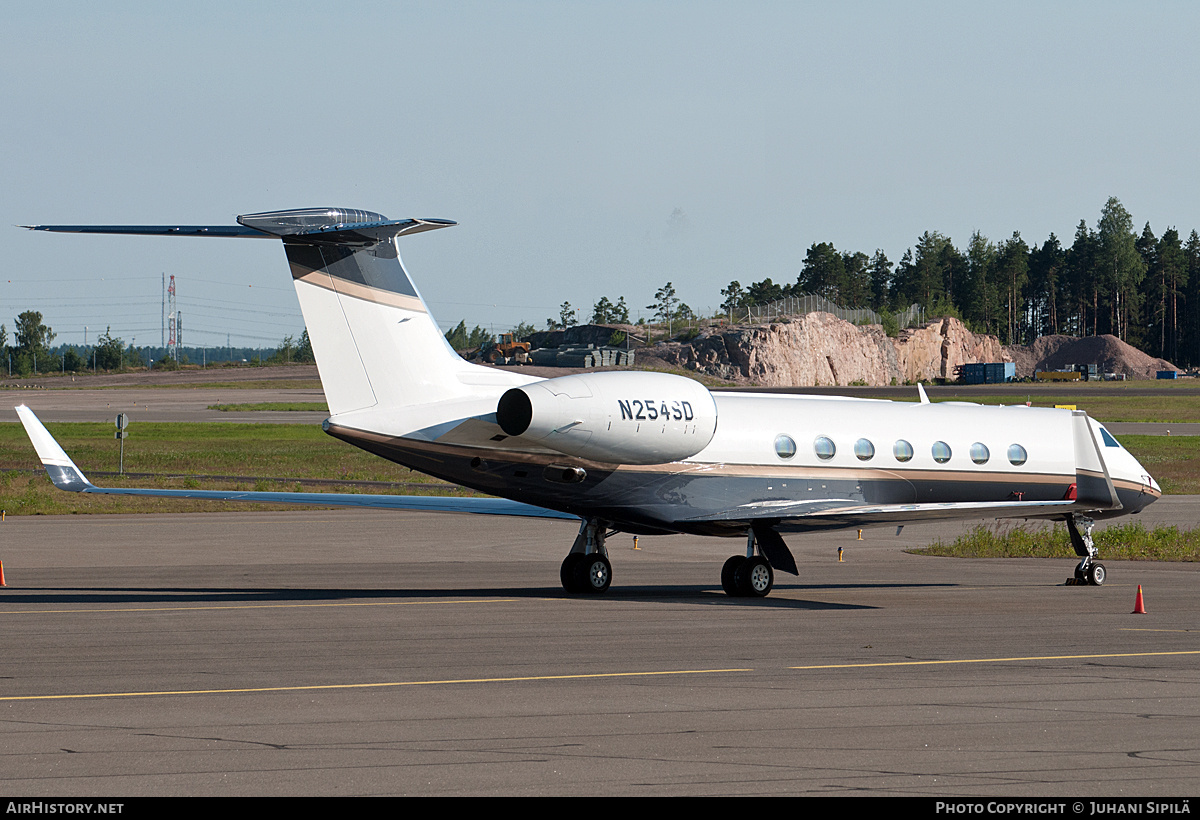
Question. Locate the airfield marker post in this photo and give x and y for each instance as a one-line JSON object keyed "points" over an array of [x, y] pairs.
{"points": [[121, 435]]}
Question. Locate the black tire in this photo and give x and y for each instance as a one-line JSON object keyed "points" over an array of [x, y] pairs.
{"points": [[1096, 575], [727, 575], [566, 573], [754, 578], [593, 573]]}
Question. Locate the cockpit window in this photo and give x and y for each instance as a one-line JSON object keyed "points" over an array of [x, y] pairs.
{"points": [[1109, 441]]}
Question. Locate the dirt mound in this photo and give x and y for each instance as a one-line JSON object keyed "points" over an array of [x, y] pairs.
{"points": [[1109, 352]]}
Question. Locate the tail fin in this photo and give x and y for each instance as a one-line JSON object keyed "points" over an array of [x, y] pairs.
{"points": [[375, 342]]}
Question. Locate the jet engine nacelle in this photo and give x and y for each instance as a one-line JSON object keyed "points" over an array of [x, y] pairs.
{"points": [[620, 418]]}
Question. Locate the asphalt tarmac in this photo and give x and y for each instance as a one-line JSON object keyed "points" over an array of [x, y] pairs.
{"points": [[382, 653], [184, 404]]}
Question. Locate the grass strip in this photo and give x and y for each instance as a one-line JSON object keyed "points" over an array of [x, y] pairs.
{"points": [[1122, 542]]}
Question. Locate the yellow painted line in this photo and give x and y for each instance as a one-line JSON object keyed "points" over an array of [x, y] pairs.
{"points": [[1134, 629], [996, 660], [387, 684], [251, 606]]}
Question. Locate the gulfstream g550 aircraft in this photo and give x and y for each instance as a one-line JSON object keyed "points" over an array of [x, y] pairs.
{"points": [[640, 452]]}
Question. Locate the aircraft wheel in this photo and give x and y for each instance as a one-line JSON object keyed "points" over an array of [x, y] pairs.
{"points": [[1096, 574], [566, 573], [755, 577], [727, 575], [593, 573]]}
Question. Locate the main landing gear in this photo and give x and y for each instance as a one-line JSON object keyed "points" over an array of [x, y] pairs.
{"points": [[749, 575], [586, 567], [1089, 571]]}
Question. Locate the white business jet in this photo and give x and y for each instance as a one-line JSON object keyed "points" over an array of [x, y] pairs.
{"points": [[641, 452]]}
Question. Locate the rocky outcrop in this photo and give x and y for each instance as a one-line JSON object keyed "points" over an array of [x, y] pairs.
{"points": [[818, 349], [934, 351]]}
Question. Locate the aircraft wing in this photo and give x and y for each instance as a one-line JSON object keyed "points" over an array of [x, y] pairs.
{"points": [[836, 513], [67, 476]]}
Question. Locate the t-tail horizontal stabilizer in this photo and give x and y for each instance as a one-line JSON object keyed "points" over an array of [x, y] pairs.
{"points": [[67, 476]]}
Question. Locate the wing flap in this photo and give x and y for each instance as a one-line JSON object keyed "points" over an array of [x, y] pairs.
{"points": [[833, 512]]}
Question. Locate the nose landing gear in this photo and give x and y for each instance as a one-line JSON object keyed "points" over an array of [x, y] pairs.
{"points": [[1090, 571]]}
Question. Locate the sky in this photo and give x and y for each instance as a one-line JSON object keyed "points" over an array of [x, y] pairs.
{"points": [[586, 149]]}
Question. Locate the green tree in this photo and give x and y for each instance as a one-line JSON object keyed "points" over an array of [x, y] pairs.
{"points": [[979, 301], [880, 274], [523, 331], [601, 311], [304, 351], [605, 312], [286, 352], [764, 292], [1046, 266], [1190, 331], [1173, 267], [620, 313], [664, 305], [1121, 266], [736, 299], [823, 272], [72, 362], [460, 339], [32, 341], [1083, 281], [566, 315], [1012, 270], [925, 274], [109, 351], [856, 281]]}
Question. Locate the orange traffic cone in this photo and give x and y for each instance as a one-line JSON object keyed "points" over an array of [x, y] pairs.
{"points": [[2, 584], [1139, 607]]}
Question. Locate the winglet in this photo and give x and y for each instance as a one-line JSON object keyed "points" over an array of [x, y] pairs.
{"points": [[921, 393], [60, 468]]}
